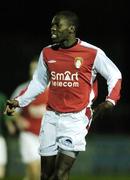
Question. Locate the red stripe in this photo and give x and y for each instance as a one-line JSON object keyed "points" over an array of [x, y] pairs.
{"points": [[89, 115], [115, 93]]}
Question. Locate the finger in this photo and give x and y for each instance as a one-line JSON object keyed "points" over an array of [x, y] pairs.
{"points": [[9, 111], [96, 114], [6, 110], [10, 103]]}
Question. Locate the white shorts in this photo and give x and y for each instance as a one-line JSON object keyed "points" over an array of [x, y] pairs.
{"points": [[65, 131], [29, 145], [3, 151]]}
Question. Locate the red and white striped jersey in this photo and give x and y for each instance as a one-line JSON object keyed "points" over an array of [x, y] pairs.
{"points": [[72, 73]]}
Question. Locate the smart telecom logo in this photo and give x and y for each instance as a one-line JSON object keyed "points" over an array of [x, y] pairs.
{"points": [[66, 79]]}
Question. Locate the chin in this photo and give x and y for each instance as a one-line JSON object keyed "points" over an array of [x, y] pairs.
{"points": [[55, 40]]}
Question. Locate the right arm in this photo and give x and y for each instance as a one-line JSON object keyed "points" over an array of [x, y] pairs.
{"points": [[36, 86]]}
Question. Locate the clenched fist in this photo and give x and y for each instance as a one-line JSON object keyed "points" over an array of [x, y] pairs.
{"points": [[101, 109], [11, 105]]}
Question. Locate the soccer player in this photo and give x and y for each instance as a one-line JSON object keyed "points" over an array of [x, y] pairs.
{"points": [[28, 122], [71, 66], [3, 145]]}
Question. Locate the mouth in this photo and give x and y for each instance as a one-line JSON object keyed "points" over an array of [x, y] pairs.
{"points": [[53, 36]]}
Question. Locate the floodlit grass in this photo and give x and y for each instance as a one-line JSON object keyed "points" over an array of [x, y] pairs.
{"points": [[13, 178], [101, 178], [85, 178]]}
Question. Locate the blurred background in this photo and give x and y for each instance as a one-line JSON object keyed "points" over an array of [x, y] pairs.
{"points": [[25, 30]]}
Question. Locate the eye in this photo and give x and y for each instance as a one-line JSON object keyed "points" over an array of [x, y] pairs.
{"points": [[55, 25]]}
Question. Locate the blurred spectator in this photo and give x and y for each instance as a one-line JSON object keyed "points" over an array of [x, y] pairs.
{"points": [[3, 145], [28, 122]]}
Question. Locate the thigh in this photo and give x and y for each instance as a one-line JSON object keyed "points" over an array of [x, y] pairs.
{"points": [[64, 163], [47, 166], [72, 131], [29, 144], [48, 133]]}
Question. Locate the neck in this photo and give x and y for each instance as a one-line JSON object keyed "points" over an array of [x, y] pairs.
{"points": [[68, 43]]}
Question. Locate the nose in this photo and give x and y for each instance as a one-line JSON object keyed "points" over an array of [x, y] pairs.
{"points": [[53, 28]]}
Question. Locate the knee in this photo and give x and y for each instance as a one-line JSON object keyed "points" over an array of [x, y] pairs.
{"points": [[45, 175], [61, 174]]}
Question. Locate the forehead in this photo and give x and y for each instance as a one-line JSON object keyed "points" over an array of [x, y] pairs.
{"points": [[61, 20]]}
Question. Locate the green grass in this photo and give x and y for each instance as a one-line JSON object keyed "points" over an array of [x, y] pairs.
{"points": [[85, 178], [100, 178]]}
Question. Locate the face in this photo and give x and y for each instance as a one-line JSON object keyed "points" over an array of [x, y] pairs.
{"points": [[32, 68], [60, 29]]}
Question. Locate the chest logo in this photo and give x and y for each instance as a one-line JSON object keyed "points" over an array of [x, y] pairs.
{"points": [[52, 61], [78, 62]]}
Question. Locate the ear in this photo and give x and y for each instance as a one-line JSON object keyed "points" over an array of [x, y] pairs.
{"points": [[72, 29]]}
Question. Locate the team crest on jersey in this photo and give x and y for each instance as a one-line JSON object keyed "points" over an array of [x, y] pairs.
{"points": [[78, 62]]}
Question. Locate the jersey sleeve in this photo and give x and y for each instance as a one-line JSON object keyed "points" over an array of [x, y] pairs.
{"points": [[37, 85], [111, 73]]}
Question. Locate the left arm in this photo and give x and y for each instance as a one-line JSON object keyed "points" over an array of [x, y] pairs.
{"points": [[104, 66]]}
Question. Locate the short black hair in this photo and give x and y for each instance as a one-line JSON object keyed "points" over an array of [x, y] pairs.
{"points": [[71, 16]]}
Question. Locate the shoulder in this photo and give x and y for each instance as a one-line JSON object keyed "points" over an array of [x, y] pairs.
{"points": [[49, 52], [50, 47], [92, 47]]}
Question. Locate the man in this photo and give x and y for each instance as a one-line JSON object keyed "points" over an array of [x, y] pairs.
{"points": [[28, 122], [71, 66]]}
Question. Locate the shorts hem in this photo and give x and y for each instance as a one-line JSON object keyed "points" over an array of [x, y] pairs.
{"points": [[48, 154]]}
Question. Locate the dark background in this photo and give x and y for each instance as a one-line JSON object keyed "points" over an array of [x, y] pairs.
{"points": [[25, 30]]}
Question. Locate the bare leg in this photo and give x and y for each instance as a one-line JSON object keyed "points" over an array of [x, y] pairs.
{"points": [[2, 171], [63, 165], [33, 170]]}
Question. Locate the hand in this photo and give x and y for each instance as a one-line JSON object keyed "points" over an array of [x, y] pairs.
{"points": [[101, 109], [10, 107]]}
